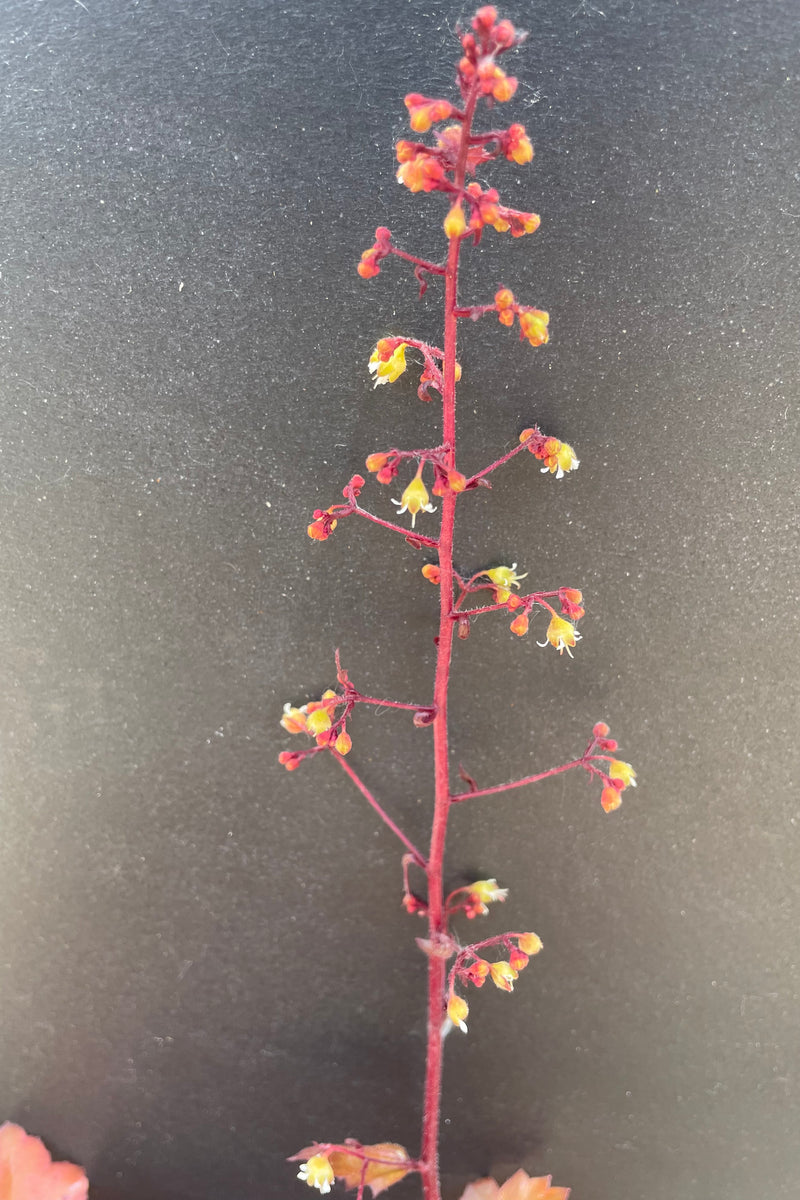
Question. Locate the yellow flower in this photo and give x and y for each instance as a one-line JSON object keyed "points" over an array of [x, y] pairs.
{"points": [[317, 1172], [486, 891], [458, 1011], [414, 499], [561, 634], [387, 364], [623, 771], [504, 578], [319, 721], [503, 975]]}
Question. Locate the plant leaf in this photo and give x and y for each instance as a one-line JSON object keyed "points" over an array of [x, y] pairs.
{"points": [[379, 1175]]}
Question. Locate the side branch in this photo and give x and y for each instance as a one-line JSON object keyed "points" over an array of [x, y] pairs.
{"points": [[473, 479], [418, 537], [505, 787], [384, 816]]}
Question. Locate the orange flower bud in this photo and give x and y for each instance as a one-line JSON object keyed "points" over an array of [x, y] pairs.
{"points": [[504, 298], [610, 799], [343, 743], [368, 268], [529, 943], [477, 972], [405, 151], [456, 481], [601, 730], [432, 573], [518, 146], [519, 625], [376, 461], [513, 602], [423, 112], [290, 759], [518, 959], [322, 528]]}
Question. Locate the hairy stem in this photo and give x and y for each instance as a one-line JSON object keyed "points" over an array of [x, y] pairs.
{"points": [[384, 816], [437, 966]]}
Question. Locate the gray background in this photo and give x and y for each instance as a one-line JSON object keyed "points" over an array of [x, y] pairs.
{"points": [[204, 964]]}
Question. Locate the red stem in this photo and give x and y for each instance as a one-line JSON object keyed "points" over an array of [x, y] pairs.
{"points": [[384, 816], [434, 268], [437, 966], [390, 703], [493, 466], [504, 787], [419, 537]]}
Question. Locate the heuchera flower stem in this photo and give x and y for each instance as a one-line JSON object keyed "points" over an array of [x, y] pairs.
{"points": [[384, 816], [437, 966]]}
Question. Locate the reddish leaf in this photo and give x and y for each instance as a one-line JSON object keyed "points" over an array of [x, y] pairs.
{"points": [[379, 1175], [28, 1173]]}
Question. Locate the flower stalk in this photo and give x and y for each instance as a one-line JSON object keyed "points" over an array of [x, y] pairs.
{"points": [[448, 166]]}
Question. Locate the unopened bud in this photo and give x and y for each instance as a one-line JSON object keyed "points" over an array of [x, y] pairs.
{"points": [[610, 799], [458, 1011], [529, 943], [423, 717]]}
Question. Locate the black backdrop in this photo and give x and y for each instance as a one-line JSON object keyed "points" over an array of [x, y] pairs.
{"points": [[204, 964]]}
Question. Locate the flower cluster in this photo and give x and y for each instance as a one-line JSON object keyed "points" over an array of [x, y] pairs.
{"points": [[533, 322], [558, 457], [489, 38], [318, 720], [326, 520], [486, 209], [368, 267], [617, 776], [473, 900], [471, 967], [429, 168]]}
